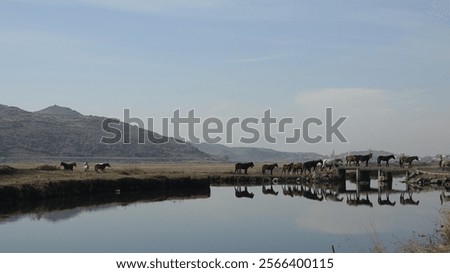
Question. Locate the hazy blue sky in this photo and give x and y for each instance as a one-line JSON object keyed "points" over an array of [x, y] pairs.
{"points": [[383, 64]]}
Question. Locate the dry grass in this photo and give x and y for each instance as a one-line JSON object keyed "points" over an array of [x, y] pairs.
{"points": [[34, 173], [434, 243]]}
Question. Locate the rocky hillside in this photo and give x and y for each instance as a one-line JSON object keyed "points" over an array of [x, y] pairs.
{"points": [[62, 132]]}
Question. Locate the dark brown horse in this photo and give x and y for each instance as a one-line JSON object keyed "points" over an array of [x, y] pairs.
{"points": [[407, 159], [243, 166], [287, 168], [384, 158], [68, 167], [101, 166], [298, 168], [269, 167]]}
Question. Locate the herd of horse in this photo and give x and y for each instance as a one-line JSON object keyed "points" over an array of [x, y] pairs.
{"points": [[97, 167], [314, 165]]}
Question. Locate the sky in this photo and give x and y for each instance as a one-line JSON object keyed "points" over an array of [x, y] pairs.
{"points": [[384, 66]]}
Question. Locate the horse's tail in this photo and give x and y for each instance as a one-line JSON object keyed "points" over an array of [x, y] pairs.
{"points": [[440, 163]]}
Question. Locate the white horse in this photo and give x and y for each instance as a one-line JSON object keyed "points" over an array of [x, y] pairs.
{"points": [[444, 163], [331, 162]]}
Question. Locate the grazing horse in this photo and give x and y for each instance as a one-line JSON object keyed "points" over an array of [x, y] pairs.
{"points": [[444, 163], [407, 159], [243, 166], [352, 158], [68, 167], [365, 158], [331, 163], [267, 167], [287, 168], [384, 158], [307, 166], [101, 166]]}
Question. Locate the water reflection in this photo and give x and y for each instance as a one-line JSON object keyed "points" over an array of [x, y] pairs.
{"points": [[59, 209], [357, 193]]}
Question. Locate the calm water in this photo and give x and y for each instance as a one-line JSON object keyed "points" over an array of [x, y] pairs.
{"points": [[223, 223]]}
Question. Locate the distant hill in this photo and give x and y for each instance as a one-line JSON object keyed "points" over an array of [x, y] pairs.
{"points": [[246, 154], [62, 132]]}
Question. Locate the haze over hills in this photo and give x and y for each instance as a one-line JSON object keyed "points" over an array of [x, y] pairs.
{"points": [[246, 154], [62, 132]]}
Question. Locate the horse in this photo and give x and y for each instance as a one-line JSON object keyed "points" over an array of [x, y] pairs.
{"points": [[383, 202], [407, 159], [311, 165], [86, 167], [267, 167], [243, 166], [357, 200], [409, 200], [352, 158], [331, 163], [444, 163], [297, 168], [239, 193], [101, 166], [68, 167], [269, 191], [365, 158], [287, 168], [384, 158]]}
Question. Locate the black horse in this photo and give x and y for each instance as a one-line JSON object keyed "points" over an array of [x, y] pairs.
{"points": [[101, 166], [384, 158], [365, 158], [68, 167], [311, 165], [243, 166]]}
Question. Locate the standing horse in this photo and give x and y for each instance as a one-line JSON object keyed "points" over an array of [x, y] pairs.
{"points": [[407, 159], [101, 166], [287, 168], [243, 166], [297, 168], [384, 158], [444, 163], [311, 165], [352, 158], [68, 167], [331, 163], [365, 158], [267, 167]]}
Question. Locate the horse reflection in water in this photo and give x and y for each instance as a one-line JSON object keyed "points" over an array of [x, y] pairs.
{"points": [[383, 189], [331, 195], [309, 192], [243, 193], [385, 201], [354, 199], [269, 191], [409, 200]]}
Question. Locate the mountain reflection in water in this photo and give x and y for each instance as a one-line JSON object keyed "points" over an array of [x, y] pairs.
{"points": [[297, 217]]}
